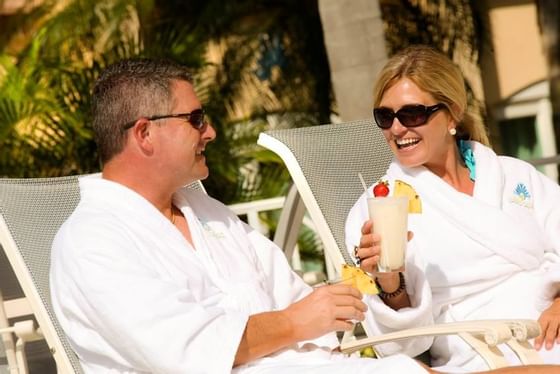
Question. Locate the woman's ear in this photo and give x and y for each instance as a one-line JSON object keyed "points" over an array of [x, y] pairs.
{"points": [[456, 113]]}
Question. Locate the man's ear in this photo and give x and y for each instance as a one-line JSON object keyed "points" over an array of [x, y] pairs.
{"points": [[141, 133]]}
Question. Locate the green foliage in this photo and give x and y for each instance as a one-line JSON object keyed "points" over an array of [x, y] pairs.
{"points": [[272, 72], [45, 85], [309, 245], [447, 25], [39, 136], [45, 90], [256, 84], [454, 27]]}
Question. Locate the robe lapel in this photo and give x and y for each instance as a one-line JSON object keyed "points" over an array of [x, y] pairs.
{"points": [[154, 232], [481, 216]]}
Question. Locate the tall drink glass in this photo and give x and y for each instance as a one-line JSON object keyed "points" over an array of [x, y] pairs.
{"points": [[390, 221]]}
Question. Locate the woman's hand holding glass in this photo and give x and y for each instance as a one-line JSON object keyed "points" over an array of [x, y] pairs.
{"points": [[368, 254]]}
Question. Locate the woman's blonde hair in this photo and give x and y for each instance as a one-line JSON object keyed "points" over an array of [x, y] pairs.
{"points": [[437, 75]]}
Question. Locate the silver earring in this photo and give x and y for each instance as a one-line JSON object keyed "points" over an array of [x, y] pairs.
{"points": [[453, 131]]}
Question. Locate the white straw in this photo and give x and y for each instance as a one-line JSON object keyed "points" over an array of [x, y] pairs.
{"points": [[363, 182]]}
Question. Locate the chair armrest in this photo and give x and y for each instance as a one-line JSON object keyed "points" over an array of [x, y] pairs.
{"points": [[25, 332], [481, 335], [493, 333], [523, 330]]}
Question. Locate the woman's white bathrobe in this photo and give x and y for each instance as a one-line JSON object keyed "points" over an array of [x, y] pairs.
{"points": [[133, 296], [492, 255]]}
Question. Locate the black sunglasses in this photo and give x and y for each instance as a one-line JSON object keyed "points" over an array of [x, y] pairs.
{"points": [[408, 115], [195, 118]]}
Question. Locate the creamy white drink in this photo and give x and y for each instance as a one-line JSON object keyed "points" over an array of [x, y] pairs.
{"points": [[390, 221]]}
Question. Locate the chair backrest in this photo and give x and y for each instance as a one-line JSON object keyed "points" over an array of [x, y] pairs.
{"points": [[31, 212], [324, 162]]}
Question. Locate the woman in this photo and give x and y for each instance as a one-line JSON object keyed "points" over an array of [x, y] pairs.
{"points": [[486, 244]]}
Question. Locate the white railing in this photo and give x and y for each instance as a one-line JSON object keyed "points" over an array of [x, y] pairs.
{"points": [[549, 166], [546, 160], [252, 209]]}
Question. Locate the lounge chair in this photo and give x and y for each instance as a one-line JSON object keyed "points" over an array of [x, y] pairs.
{"points": [[324, 162], [31, 212]]}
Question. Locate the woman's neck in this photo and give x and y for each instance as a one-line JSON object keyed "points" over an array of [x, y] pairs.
{"points": [[454, 172]]}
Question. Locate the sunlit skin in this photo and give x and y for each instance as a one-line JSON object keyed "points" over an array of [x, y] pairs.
{"points": [[172, 147], [436, 147], [182, 144], [550, 325], [433, 147], [167, 152], [436, 150], [161, 156]]}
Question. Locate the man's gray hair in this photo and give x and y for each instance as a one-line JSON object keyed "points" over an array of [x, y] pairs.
{"points": [[129, 90]]}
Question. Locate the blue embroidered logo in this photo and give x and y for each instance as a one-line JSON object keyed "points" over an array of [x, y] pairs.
{"points": [[521, 196]]}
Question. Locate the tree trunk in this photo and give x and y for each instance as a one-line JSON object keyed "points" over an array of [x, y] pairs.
{"points": [[355, 43]]}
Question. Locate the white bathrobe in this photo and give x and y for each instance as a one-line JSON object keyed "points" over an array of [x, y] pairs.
{"points": [[488, 256], [133, 296]]}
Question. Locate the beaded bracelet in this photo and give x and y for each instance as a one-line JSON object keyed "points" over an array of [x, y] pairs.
{"points": [[384, 295]]}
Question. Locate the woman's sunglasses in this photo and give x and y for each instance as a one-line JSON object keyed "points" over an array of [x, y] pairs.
{"points": [[408, 115], [195, 118]]}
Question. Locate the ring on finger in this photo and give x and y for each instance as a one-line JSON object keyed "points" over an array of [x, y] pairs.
{"points": [[358, 259]]}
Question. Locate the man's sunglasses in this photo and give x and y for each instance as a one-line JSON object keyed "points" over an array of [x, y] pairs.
{"points": [[195, 118], [408, 115]]}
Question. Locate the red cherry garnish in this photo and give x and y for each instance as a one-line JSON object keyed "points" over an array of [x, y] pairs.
{"points": [[381, 189]]}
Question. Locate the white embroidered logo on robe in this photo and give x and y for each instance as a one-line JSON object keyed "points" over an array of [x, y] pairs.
{"points": [[211, 231], [521, 196]]}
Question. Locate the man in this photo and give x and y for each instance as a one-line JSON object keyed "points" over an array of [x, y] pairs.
{"points": [[148, 276]]}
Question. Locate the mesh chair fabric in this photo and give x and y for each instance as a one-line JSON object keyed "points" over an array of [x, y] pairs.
{"points": [[34, 209], [330, 157]]}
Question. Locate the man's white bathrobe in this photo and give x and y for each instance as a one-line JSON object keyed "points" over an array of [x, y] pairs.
{"points": [[488, 256], [133, 296]]}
